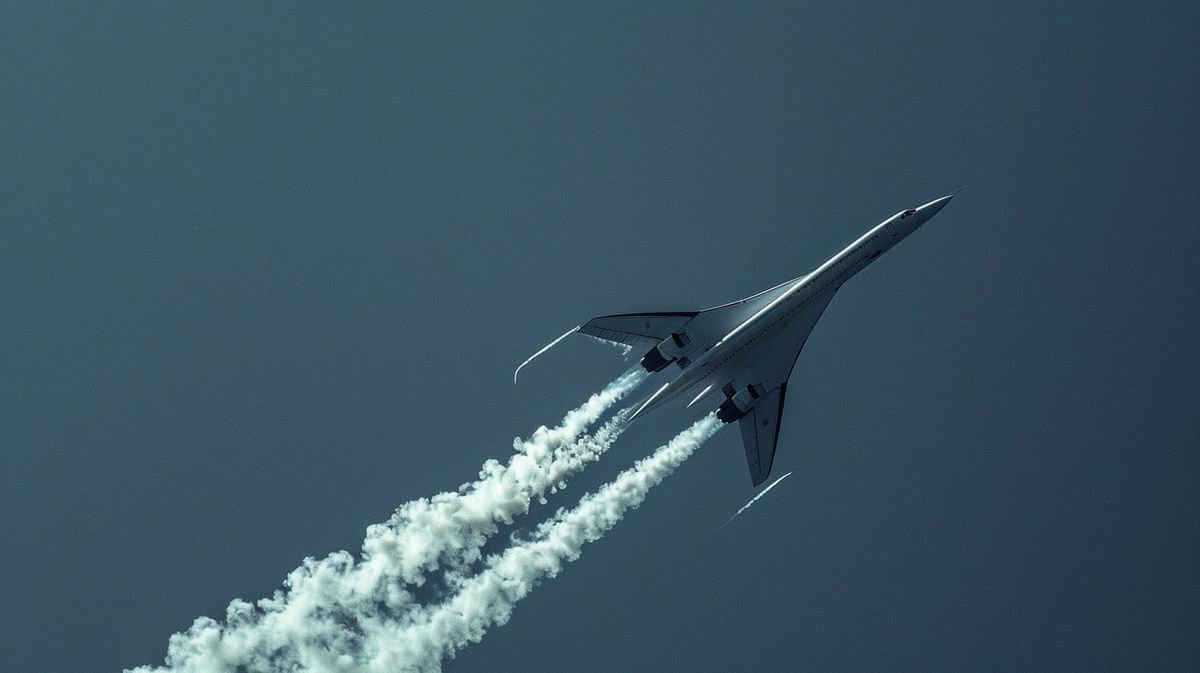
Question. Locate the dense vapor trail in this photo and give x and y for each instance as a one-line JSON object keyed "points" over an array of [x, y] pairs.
{"points": [[752, 501], [327, 615], [487, 598], [450, 528]]}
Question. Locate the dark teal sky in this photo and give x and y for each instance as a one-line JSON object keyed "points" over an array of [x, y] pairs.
{"points": [[266, 272]]}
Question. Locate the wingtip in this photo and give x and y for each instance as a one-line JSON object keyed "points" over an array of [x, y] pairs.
{"points": [[543, 350]]}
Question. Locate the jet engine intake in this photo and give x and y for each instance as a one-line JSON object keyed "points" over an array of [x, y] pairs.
{"points": [[728, 412], [654, 361], [738, 405]]}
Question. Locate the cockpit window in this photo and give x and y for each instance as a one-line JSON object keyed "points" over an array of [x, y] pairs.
{"points": [[908, 212]]}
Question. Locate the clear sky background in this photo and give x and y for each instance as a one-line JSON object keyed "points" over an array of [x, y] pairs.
{"points": [[265, 272]]}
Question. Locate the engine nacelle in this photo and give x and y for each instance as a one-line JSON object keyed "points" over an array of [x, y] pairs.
{"points": [[654, 361], [737, 405], [667, 351]]}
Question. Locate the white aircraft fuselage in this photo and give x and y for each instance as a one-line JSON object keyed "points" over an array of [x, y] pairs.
{"points": [[746, 349], [816, 288]]}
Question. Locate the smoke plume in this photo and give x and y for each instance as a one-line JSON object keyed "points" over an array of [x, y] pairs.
{"points": [[487, 598], [333, 613]]}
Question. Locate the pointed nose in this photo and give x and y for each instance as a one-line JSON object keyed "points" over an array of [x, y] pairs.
{"points": [[930, 209]]}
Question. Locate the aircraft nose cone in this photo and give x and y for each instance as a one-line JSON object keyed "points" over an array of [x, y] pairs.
{"points": [[930, 209]]}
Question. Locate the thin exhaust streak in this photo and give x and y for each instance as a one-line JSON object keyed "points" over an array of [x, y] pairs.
{"points": [[545, 348], [752, 501]]}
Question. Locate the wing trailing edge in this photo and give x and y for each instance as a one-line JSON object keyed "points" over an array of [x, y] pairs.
{"points": [[636, 330]]}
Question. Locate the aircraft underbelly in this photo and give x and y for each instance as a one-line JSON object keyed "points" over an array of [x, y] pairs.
{"points": [[767, 359]]}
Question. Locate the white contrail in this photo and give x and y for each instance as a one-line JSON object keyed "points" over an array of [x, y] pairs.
{"points": [[421, 533], [752, 501], [487, 599], [545, 348], [326, 614], [625, 349]]}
